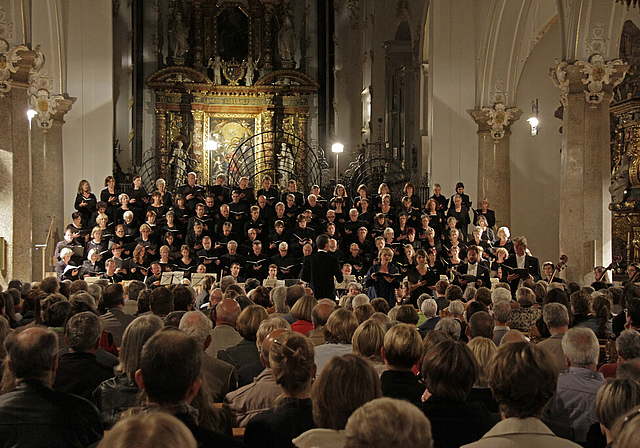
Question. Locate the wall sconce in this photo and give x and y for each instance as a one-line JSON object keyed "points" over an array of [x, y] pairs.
{"points": [[533, 120]]}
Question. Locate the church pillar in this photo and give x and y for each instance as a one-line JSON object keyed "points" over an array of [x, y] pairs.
{"points": [[585, 221], [31, 194], [494, 180], [161, 143], [197, 141]]}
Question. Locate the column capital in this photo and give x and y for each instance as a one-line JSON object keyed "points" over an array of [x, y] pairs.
{"points": [[597, 75], [496, 119]]}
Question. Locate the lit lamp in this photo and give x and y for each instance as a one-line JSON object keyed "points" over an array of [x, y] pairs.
{"points": [[533, 121], [337, 148], [211, 146]]}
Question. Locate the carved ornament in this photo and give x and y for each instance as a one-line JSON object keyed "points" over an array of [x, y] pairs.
{"points": [[353, 9], [39, 92], [598, 74], [558, 75], [498, 118]]}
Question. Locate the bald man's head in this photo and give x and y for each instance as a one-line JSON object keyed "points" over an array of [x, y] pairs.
{"points": [[32, 354], [227, 312], [267, 343], [321, 313]]}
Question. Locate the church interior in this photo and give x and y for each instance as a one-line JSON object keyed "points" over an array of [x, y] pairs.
{"points": [[532, 104]]}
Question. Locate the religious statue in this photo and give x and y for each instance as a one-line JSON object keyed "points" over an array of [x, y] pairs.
{"points": [[179, 33], [620, 179], [216, 65], [251, 68], [287, 40], [178, 162]]}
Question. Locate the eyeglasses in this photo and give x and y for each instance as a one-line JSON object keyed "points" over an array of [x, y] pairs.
{"points": [[628, 418]]}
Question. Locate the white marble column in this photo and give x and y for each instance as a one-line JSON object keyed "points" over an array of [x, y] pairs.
{"points": [[585, 221], [494, 179]]}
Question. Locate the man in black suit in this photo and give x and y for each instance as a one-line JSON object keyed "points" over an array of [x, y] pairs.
{"points": [[522, 261], [472, 267], [319, 270]]}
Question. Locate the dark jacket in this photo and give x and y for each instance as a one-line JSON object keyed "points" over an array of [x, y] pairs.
{"points": [[278, 426], [401, 385], [319, 270], [34, 415], [114, 396], [80, 374], [240, 355]]}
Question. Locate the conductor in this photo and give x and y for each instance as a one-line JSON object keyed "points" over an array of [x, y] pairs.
{"points": [[319, 270]]}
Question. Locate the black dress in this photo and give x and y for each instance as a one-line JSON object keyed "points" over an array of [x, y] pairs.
{"points": [[86, 210]]}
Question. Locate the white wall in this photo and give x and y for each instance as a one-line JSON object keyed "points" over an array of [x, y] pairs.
{"points": [[454, 142], [535, 161], [88, 131]]}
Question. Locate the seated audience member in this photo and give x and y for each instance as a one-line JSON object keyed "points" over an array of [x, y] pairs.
{"points": [[429, 308], [116, 395], [628, 347], [501, 316], [224, 334], [524, 317], [556, 317], [484, 350], [245, 352], [449, 370], [115, 320], [34, 415], [627, 429], [161, 302], [291, 357], [338, 333], [219, 375], [170, 366], [450, 327], [259, 396], [247, 373], [387, 422], [614, 399], [319, 316], [401, 351], [346, 383], [368, 340], [156, 429], [574, 402], [301, 311], [480, 325], [364, 312], [79, 372], [523, 380]]}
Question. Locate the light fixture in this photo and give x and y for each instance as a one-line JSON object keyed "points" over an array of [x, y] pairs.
{"points": [[337, 148], [533, 120], [30, 114]]}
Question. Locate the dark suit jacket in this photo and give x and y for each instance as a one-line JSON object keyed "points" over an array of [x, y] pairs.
{"points": [[531, 263], [319, 270], [220, 376], [246, 352], [482, 273]]}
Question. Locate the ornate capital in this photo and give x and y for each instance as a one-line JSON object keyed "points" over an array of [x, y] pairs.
{"points": [[601, 77], [598, 74], [39, 92], [496, 118]]}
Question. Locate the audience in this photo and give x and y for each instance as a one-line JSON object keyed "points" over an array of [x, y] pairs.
{"points": [[292, 364], [574, 402], [115, 320], [224, 335], [401, 351], [556, 317], [338, 333], [33, 414]]}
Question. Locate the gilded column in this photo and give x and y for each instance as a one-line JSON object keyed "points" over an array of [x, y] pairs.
{"points": [[161, 143], [197, 142], [494, 179], [268, 163], [585, 222], [302, 154]]}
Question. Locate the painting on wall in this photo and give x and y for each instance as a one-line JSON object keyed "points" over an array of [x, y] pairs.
{"points": [[228, 132]]}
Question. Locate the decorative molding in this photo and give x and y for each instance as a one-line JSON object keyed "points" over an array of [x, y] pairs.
{"points": [[598, 74], [598, 43], [498, 95], [39, 92], [6, 27], [558, 75], [8, 59], [498, 118]]}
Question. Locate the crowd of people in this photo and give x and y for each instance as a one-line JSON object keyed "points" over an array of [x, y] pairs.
{"points": [[433, 349]]}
